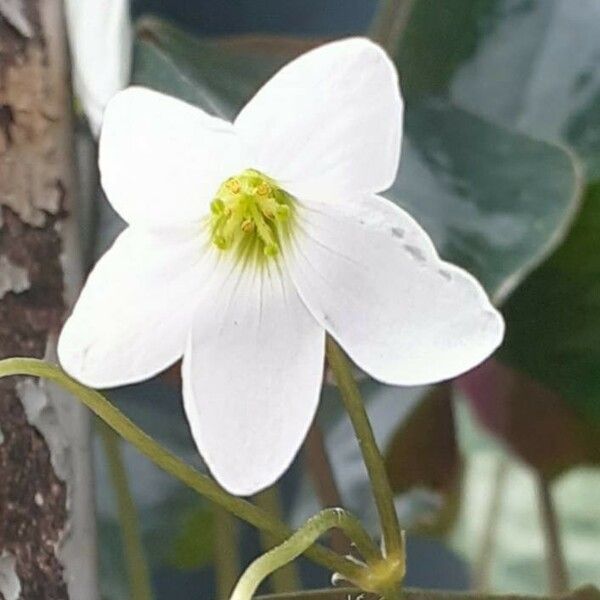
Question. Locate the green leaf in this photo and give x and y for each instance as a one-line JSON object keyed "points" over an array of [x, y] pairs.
{"points": [[533, 65], [494, 201], [218, 75], [553, 319]]}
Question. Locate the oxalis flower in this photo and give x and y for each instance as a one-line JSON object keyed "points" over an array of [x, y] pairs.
{"points": [[248, 241]]}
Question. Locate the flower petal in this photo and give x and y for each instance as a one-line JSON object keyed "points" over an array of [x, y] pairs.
{"points": [[252, 373], [162, 160], [101, 40], [370, 275], [331, 119], [135, 311]]}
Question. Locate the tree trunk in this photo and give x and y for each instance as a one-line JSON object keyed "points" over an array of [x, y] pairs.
{"points": [[47, 533]]}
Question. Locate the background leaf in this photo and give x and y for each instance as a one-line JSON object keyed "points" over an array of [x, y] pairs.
{"points": [[531, 419], [530, 65], [553, 331], [423, 455]]}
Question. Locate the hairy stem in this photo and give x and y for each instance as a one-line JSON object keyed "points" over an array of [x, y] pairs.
{"points": [[138, 573], [384, 498], [167, 461], [302, 539], [287, 578]]}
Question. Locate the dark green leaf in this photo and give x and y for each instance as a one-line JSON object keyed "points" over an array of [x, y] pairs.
{"points": [[553, 319]]}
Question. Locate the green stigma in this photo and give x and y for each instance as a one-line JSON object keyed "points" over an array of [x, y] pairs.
{"points": [[250, 214]]}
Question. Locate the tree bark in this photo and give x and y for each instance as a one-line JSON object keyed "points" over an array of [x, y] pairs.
{"points": [[47, 534]]}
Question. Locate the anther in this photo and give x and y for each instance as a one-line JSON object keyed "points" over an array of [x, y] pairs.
{"points": [[233, 185], [263, 189], [248, 226]]}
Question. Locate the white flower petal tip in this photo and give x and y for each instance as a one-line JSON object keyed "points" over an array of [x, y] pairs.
{"points": [[330, 119], [372, 278], [161, 159], [133, 316], [252, 375]]}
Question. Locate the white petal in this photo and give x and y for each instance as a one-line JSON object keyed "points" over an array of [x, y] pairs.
{"points": [[252, 373], [162, 160], [135, 312], [101, 40], [371, 277], [330, 119]]}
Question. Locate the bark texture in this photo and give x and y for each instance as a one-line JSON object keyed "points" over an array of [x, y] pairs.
{"points": [[34, 194]]}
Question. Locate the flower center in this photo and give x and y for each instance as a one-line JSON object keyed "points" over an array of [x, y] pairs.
{"points": [[251, 214]]}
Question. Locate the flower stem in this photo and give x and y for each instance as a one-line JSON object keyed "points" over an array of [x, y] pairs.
{"points": [[302, 539], [558, 577], [138, 573], [227, 560], [287, 578], [384, 499], [167, 461]]}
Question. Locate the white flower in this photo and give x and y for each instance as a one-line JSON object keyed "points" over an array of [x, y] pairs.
{"points": [[101, 39], [248, 241]]}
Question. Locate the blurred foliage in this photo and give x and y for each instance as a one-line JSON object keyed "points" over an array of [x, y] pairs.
{"points": [[538, 425], [526, 64], [193, 544], [414, 462], [533, 67], [517, 542], [226, 17], [553, 319]]}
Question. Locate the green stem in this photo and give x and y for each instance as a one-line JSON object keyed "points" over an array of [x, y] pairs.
{"points": [[137, 567], [558, 576], [287, 578], [227, 560], [384, 498], [302, 539], [167, 461]]}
